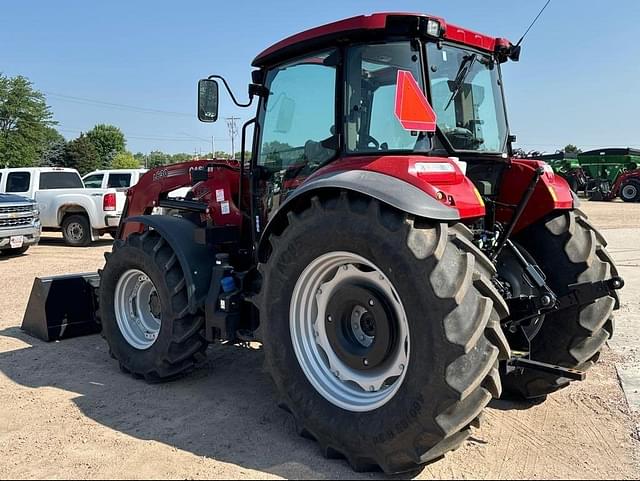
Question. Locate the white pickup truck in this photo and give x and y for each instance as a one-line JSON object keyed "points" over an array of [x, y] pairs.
{"points": [[82, 214], [122, 179], [113, 179]]}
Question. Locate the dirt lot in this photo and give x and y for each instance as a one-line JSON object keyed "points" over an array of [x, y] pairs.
{"points": [[67, 411]]}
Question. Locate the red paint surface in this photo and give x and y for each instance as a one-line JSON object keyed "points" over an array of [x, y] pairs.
{"points": [[457, 187], [621, 180], [223, 175], [516, 180], [378, 21], [412, 107]]}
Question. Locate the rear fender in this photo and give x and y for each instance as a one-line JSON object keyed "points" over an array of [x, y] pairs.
{"points": [[387, 189], [195, 259], [552, 193]]}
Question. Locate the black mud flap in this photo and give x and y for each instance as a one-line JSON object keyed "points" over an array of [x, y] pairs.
{"points": [[61, 307]]}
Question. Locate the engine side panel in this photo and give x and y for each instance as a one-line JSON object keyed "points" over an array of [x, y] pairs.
{"points": [[552, 193]]}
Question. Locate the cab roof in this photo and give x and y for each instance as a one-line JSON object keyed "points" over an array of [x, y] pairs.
{"points": [[369, 27]]}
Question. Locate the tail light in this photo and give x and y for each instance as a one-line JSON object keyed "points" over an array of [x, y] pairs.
{"points": [[109, 202]]}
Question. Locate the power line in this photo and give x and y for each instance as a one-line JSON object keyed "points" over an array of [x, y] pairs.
{"points": [[233, 132], [118, 106], [148, 137]]}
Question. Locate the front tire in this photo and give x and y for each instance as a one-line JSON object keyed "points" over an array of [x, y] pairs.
{"points": [[569, 250], [630, 191], [144, 310], [16, 252], [427, 271]]}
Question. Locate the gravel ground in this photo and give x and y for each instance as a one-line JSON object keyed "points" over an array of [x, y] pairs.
{"points": [[67, 412]]}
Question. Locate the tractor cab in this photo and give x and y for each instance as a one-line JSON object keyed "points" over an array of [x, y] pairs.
{"points": [[349, 94]]}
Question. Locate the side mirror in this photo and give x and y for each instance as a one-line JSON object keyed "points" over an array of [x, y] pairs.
{"points": [[207, 100]]}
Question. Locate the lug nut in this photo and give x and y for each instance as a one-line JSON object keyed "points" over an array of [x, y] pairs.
{"points": [[366, 362], [330, 319], [371, 303], [546, 300], [401, 367], [372, 388]]}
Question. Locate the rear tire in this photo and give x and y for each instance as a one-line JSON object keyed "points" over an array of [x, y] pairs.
{"points": [[630, 191], [453, 314], [178, 345], [569, 250], [76, 230]]}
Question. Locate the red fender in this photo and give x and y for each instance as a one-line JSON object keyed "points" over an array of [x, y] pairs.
{"points": [[452, 187], [552, 193]]}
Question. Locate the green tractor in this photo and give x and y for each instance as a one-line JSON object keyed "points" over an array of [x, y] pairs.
{"points": [[603, 175], [611, 173]]}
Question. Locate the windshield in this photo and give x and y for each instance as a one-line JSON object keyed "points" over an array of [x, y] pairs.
{"points": [[466, 94]]}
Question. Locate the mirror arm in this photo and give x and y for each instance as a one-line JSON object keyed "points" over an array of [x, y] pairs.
{"points": [[254, 89]]}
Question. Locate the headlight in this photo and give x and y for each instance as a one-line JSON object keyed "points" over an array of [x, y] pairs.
{"points": [[434, 28], [434, 167]]}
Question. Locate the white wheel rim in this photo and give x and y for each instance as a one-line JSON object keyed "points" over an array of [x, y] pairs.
{"points": [[133, 299], [629, 191], [355, 390]]}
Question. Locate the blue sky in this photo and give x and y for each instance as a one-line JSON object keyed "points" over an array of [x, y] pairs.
{"points": [[577, 80]]}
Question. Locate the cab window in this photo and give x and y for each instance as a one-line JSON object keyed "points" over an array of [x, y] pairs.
{"points": [[93, 181], [119, 181], [372, 75], [298, 128], [18, 182]]}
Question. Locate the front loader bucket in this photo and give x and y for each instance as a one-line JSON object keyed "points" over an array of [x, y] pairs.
{"points": [[61, 307]]}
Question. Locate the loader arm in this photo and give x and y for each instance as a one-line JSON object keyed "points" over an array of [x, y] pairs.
{"points": [[158, 183]]}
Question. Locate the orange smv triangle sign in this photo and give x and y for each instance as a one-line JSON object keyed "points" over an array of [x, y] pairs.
{"points": [[412, 107]]}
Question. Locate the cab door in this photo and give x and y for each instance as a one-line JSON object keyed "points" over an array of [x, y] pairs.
{"points": [[298, 131]]}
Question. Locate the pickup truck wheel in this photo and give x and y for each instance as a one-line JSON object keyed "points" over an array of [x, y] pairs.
{"points": [[76, 230], [16, 252]]}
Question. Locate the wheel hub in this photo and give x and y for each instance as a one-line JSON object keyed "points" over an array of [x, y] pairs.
{"points": [[138, 309], [630, 191], [349, 331], [75, 231], [361, 337]]}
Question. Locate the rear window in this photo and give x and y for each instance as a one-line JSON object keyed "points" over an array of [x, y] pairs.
{"points": [[18, 182], [60, 180], [119, 181]]}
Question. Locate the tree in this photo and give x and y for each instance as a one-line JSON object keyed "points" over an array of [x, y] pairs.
{"points": [[108, 141], [247, 155], [53, 149], [125, 160], [182, 157], [25, 119], [157, 159], [81, 154], [571, 149]]}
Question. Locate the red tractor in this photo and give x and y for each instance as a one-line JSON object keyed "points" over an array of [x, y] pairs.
{"points": [[397, 264]]}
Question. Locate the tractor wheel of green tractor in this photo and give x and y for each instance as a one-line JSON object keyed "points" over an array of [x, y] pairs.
{"points": [[381, 331], [630, 191], [569, 250], [144, 310]]}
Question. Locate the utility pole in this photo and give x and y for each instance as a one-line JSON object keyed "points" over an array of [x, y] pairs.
{"points": [[213, 146], [233, 131]]}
